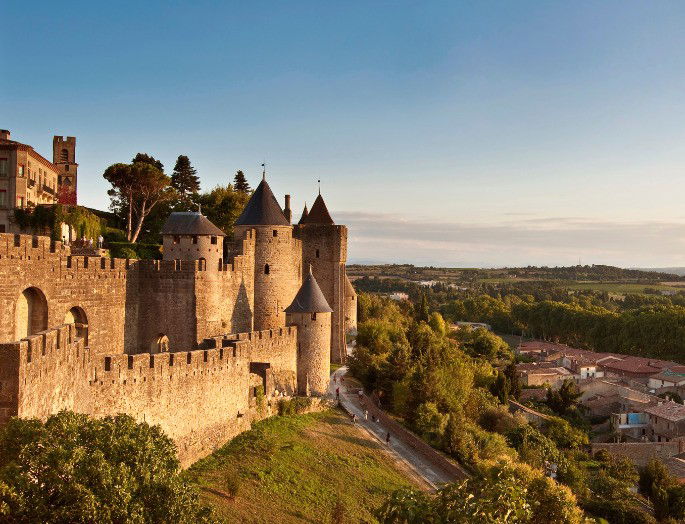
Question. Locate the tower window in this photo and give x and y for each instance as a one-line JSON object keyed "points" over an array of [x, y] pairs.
{"points": [[214, 240], [313, 316], [317, 253], [64, 155], [177, 239], [194, 239], [66, 168], [266, 269], [275, 232]]}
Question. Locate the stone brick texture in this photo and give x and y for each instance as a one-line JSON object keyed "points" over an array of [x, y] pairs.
{"points": [[225, 324]]}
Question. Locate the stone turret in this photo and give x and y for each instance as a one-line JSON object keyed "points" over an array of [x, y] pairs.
{"points": [[278, 257], [191, 236], [311, 314], [324, 246]]}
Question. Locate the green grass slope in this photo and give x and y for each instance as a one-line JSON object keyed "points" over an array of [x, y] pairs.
{"points": [[296, 469]]}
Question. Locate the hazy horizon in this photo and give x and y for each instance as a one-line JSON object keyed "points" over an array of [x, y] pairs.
{"points": [[444, 133]]}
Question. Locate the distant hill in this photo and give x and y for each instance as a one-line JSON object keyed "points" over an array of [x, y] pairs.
{"points": [[680, 271], [587, 273]]}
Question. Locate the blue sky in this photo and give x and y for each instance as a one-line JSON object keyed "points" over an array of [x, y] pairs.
{"points": [[447, 133]]}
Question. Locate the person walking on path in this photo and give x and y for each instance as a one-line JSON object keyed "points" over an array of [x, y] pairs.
{"points": [[387, 438], [366, 414]]}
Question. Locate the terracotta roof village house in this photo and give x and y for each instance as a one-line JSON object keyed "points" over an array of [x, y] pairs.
{"points": [[666, 421], [670, 377]]}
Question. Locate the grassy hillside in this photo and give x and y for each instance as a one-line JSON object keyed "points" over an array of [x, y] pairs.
{"points": [[295, 469]]}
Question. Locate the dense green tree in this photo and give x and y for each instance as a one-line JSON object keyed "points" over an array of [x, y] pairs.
{"points": [[184, 179], [240, 182], [75, 469], [144, 158], [223, 205], [501, 493], [137, 188], [423, 313], [564, 399], [514, 380]]}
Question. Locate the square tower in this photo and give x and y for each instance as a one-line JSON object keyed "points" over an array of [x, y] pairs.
{"points": [[64, 158]]}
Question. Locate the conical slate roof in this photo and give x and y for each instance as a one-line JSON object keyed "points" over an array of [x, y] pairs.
{"points": [[190, 223], [309, 298], [304, 215], [262, 209], [319, 213]]}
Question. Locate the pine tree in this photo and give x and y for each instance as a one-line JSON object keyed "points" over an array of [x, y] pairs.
{"points": [[240, 182], [423, 313], [184, 178]]}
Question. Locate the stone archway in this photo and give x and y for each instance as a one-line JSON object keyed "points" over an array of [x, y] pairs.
{"points": [[31, 314], [160, 344], [77, 316]]}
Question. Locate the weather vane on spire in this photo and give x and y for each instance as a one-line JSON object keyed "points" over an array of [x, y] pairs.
{"points": [[319, 181], [264, 171]]}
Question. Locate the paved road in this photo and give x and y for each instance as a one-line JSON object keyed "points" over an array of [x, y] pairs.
{"points": [[433, 476]]}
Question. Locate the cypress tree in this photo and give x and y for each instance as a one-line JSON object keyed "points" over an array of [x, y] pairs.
{"points": [[240, 182], [184, 178]]}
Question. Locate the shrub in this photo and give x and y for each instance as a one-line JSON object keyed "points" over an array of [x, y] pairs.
{"points": [[294, 406], [139, 251], [232, 484]]}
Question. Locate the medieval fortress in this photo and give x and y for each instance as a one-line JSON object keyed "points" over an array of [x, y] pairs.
{"points": [[189, 342]]}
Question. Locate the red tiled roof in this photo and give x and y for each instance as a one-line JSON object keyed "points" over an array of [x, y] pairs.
{"points": [[669, 410]]}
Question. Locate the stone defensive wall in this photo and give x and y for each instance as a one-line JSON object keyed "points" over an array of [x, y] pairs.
{"points": [[126, 304], [200, 398]]}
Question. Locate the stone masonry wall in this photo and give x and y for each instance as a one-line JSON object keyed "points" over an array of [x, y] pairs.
{"points": [[313, 351], [325, 248], [199, 398], [97, 285], [277, 273]]}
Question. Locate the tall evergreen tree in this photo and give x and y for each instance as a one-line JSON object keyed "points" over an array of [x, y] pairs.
{"points": [[184, 179], [240, 182]]}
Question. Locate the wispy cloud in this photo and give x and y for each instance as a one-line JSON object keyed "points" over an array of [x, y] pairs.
{"points": [[514, 241]]}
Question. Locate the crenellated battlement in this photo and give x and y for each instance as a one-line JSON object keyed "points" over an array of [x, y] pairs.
{"points": [[31, 247]]}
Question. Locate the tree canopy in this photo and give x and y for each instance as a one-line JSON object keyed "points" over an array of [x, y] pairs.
{"points": [[184, 179], [137, 187], [72, 468], [240, 182]]}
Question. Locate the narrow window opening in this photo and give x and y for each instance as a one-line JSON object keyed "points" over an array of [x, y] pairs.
{"points": [[313, 316], [214, 240], [194, 239], [275, 232], [130, 362], [108, 363], [177, 239], [266, 269]]}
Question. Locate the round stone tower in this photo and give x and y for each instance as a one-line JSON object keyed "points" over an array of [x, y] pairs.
{"points": [[191, 236], [311, 314], [278, 257]]}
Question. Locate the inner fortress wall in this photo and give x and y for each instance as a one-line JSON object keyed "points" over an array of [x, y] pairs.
{"points": [[99, 287], [200, 398], [224, 299]]}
